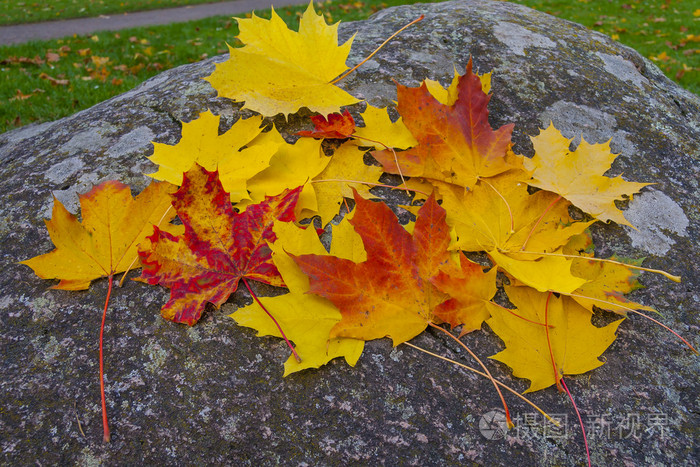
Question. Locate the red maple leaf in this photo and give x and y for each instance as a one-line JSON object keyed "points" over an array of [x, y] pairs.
{"points": [[219, 248], [337, 125]]}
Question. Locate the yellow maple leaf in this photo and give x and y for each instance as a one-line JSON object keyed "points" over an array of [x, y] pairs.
{"points": [[578, 175], [576, 344], [307, 319], [106, 241], [500, 214], [500, 217], [543, 274], [380, 129], [232, 153], [280, 70], [607, 281], [347, 164], [291, 166]]}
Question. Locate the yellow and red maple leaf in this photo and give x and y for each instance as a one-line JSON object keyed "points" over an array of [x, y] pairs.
{"points": [[218, 249], [456, 143], [236, 154], [106, 241], [391, 294]]}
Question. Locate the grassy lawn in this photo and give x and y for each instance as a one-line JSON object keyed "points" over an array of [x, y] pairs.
{"points": [[42, 81], [29, 11]]}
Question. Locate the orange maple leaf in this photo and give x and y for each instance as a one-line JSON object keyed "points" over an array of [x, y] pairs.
{"points": [[218, 249], [456, 144], [392, 292]]}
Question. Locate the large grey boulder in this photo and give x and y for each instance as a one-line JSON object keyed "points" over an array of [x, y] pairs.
{"points": [[214, 393]]}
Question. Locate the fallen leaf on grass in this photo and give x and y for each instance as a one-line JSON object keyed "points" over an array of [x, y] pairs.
{"points": [[54, 81], [20, 96]]}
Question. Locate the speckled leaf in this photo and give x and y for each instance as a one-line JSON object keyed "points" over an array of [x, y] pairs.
{"points": [[218, 248]]}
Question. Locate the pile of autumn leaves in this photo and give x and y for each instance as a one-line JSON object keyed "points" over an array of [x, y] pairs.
{"points": [[242, 194]]}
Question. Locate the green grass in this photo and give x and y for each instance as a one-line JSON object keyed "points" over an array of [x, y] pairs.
{"points": [[29, 11], [47, 80], [661, 30]]}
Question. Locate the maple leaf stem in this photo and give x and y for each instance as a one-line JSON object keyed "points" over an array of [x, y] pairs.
{"points": [[521, 317], [549, 208], [121, 282], [396, 160], [105, 424], [284, 336], [578, 414], [493, 380], [640, 314], [366, 183], [549, 343], [510, 211], [603, 260], [481, 373], [377, 50]]}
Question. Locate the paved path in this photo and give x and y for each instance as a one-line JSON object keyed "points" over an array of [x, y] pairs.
{"points": [[54, 29]]}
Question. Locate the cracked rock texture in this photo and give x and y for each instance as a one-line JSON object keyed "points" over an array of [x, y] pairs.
{"points": [[214, 393]]}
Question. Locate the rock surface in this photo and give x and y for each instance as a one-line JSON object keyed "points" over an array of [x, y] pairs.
{"points": [[214, 393]]}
